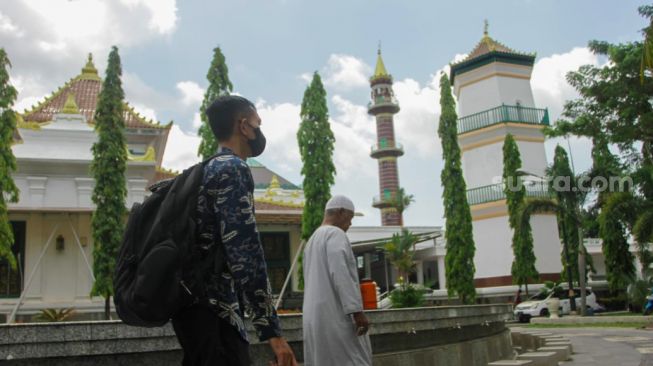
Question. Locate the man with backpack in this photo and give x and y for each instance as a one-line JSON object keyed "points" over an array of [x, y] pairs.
{"points": [[212, 331]]}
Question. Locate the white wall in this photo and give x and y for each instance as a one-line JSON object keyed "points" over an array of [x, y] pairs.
{"points": [[481, 166], [546, 243], [493, 239], [533, 157]]}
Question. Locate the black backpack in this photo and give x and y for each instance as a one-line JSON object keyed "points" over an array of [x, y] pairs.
{"points": [[157, 273]]}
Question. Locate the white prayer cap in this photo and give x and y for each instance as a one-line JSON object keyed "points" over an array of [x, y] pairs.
{"points": [[339, 201]]}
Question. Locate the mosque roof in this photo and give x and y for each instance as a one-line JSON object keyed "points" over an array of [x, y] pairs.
{"points": [[488, 50], [80, 94]]}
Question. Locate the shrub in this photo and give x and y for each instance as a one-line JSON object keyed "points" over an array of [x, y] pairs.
{"points": [[54, 315], [407, 297]]}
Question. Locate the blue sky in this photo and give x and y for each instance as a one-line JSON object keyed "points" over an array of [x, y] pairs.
{"points": [[272, 46]]}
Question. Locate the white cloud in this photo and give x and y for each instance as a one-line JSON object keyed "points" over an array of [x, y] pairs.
{"points": [[8, 27], [551, 90], [46, 44], [163, 17], [192, 93], [181, 149], [144, 111], [549, 83], [346, 72], [280, 123], [197, 120], [416, 122]]}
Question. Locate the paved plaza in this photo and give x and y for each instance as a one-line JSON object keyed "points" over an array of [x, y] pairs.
{"points": [[608, 346]]}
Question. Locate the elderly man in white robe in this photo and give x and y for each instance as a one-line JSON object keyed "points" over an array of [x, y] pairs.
{"points": [[335, 327]]}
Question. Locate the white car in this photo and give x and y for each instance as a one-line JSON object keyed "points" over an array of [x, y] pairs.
{"points": [[538, 304]]}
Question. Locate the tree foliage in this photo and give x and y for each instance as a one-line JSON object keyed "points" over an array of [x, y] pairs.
{"points": [[523, 264], [108, 168], [400, 252], [564, 186], [219, 85], [400, 202], [8, 189], [614, 109], [459, 260], [316, 142]]}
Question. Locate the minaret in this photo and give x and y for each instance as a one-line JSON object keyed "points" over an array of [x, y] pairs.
{"points": [[383, 106], [494, 95]]}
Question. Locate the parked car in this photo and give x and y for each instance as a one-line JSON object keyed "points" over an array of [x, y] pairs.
{"points": [[538, 305]]}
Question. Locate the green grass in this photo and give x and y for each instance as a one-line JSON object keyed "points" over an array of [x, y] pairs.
{"points": [[589, 325]]}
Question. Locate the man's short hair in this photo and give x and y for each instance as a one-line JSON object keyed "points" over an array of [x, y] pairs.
{"points": [[224, 112]]}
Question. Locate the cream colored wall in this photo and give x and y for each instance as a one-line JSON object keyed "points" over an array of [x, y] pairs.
{"points": [[62, 276]]}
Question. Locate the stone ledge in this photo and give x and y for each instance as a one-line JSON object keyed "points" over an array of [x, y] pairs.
{"points": [[411, 332], [593, 320]]}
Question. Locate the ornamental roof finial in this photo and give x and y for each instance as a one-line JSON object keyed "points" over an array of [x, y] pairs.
{"points": [[89, 71], [380, 70], [485, 27]]}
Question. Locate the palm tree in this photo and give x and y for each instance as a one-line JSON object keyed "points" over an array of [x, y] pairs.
{"points": [[400, 202], [400, 252]]}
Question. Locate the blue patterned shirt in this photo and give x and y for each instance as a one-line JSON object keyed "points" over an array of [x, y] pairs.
{"points": [[226, 217]]}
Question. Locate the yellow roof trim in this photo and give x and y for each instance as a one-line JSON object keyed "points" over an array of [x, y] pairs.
{"points": [[70, 107]]}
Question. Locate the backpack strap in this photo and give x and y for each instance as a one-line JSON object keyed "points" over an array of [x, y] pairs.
{"points": [[214, 263]]}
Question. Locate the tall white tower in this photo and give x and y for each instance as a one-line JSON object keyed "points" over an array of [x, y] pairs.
{"points": [[495, 98]]}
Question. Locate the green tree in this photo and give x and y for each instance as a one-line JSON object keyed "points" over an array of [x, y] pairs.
{"points": [[316, 142], [219, 85], [614, 109], [565, 202], [8, 189], [400, 202], [108, 167], [400, 252], [459, 260], [563, 184], [613, 219], [523, 265]]}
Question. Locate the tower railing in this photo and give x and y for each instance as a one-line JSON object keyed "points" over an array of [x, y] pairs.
{"points": [[380, 148], [381, 100], [503, 114], [494, 192]]}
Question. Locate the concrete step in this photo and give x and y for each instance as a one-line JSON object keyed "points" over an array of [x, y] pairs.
{"points": [[511, 363], [540, 358], [563, 352], [560, 344]]}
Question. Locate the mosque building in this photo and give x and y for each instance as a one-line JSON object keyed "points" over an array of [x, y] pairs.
{"points": [[52, 219]]}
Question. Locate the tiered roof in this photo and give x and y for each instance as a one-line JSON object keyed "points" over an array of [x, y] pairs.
{"points": [[488, 50], [82, 92]]}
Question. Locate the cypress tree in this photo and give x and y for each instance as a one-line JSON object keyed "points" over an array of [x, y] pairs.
{"points": [[108, 167], [219, 85], [523, 265], [8, 189], [459, 260], [566, 192], [316, 141]]}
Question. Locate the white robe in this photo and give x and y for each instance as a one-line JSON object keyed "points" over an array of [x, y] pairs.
{"points": [[331, 295]]}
